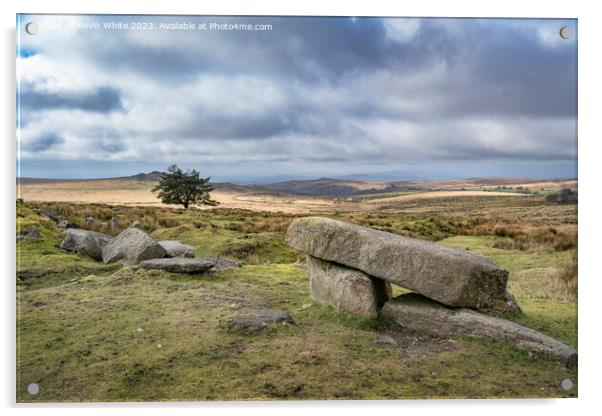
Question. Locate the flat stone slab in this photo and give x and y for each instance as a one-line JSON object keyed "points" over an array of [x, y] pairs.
{"points": [[253, 319], [89, 243], [416, 312], [177, 249], [132, 246], [448, 275], [346, 289], [178, 265]]}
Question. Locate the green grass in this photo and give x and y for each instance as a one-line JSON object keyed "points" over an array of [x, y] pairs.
{"points": [[91, 332], [530, 281]]}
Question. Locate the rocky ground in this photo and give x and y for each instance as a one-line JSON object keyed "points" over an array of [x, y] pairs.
{"points": [[92, 331]]}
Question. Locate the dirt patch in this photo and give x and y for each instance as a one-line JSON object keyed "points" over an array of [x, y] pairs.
{"points": [[413, 345]]}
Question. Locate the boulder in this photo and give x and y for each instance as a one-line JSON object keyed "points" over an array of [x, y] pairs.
{"points": [[419, 313], [177, 249], [132, 246], [222, 263], [346, 289], [254, 319], [84, 242], [178, 265], [451, 276]]}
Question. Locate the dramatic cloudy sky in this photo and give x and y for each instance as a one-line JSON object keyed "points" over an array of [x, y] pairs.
{"points": [[312, 97]]}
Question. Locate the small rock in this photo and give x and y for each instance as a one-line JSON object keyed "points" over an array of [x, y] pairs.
{"points": [[136, 224], [84, 242], [254, 319], [89, 220], [177, 249], [178, 265], [114, 223], [306, 305], [50, 214], [28, 233], [222, 263], [63, 223]]}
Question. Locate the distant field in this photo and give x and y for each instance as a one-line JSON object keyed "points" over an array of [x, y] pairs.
{"points": [[441, 194], [135, 192], [138, 193]]}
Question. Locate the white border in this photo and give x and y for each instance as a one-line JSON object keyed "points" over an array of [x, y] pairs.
{"points": [[590, 68]]}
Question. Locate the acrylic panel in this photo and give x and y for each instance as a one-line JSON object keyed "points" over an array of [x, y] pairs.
{"points": [[295, 208]]}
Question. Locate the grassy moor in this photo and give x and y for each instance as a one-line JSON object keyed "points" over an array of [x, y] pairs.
{"points": [[91, 331]]}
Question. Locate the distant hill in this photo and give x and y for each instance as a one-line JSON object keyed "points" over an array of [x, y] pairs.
{"points": [[327, 187], [153, 176], [331, 187]]}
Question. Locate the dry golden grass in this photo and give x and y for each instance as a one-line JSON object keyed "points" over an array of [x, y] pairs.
{"points": [[565, 280], [548, 185], [129, 192], [528, 236], [270, 224]]}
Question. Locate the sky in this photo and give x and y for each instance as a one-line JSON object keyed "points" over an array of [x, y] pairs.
{"points": [[297, 97]]}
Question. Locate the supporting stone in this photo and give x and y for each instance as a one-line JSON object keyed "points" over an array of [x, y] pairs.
{"points": [[346, 289], [417, 312]]}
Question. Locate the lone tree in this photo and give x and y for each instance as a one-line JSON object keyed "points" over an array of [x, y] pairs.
{"points": [[184, 188]]}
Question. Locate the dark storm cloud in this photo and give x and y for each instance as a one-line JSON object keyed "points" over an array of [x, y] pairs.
{"points": [[304, 48], [102, 99], [510, 73]]}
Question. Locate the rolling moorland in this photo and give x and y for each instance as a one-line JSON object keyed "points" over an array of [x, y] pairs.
{"points": [[89, 331]]}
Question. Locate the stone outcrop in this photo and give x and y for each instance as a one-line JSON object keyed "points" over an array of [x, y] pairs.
{"points": [[88, 243], [346, 289], [177, 249], [451, 276], [178, 265], [132, 246], [417, 312]]}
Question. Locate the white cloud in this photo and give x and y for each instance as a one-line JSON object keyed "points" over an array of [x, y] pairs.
{"points": [[401, 30]]}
